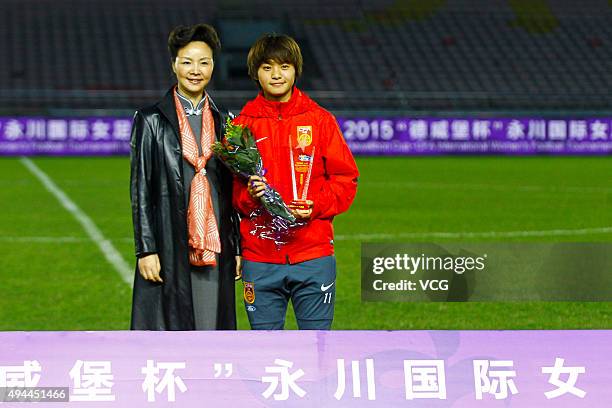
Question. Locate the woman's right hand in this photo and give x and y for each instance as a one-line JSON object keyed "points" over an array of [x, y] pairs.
{"points": [[256, 186], [149, 268]]}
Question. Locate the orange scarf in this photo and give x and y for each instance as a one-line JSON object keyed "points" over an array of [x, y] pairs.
{"points": [[204, 239]]}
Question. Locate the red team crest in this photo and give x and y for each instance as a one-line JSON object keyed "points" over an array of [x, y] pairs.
{"points": [[249, 292], [304, 137]]}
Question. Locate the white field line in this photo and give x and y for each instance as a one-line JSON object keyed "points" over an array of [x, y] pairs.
{"points": [[106, 247], [363, 237], [45, 240], [57, 239], [488, 187]]}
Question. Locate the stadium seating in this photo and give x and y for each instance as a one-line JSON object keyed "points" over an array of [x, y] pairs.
{"points": [[381, 55]]}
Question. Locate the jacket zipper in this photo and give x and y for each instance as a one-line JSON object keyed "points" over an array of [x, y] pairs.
{"points": [[280, 117]]}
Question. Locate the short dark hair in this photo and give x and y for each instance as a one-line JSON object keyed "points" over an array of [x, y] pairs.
{"points": [[180, 36], [276, 47]]}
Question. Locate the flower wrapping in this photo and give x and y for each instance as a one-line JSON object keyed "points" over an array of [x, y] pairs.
{"points": [[238, 151]]}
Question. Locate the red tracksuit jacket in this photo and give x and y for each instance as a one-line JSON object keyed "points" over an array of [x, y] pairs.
{"points": [[302, 128]]}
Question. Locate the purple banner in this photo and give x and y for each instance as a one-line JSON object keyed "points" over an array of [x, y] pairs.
{"points": [[309, 368], [29, 136], [365, 136], [505, 136]]}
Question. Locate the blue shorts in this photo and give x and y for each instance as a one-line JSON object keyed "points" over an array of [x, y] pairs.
{"points": [[311, 286]]}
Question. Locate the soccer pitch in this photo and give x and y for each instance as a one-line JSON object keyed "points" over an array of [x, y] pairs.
{"points": [[55, 277]]}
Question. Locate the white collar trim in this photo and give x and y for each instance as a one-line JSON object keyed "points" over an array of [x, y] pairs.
{"points": [[190, 110]]}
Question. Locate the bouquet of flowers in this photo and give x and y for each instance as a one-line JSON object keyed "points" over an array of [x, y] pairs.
{"points": [[239, 153]]}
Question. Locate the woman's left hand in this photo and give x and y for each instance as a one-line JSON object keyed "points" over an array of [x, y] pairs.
{"points": [[238, 268]]}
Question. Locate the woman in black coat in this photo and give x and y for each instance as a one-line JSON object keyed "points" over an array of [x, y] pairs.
{"points": [[176, 287]]}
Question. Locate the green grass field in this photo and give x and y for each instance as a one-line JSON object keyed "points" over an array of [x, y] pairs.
{"points": [[53, 277]]}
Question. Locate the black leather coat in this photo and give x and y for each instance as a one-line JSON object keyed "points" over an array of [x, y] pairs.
{"points": [[159, 215]]}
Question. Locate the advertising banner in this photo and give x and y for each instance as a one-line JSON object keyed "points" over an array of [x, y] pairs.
{"points": [[400, 136], [307, 368]]}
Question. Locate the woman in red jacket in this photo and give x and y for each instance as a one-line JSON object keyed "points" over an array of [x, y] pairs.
{"points": [[308, 162]]}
